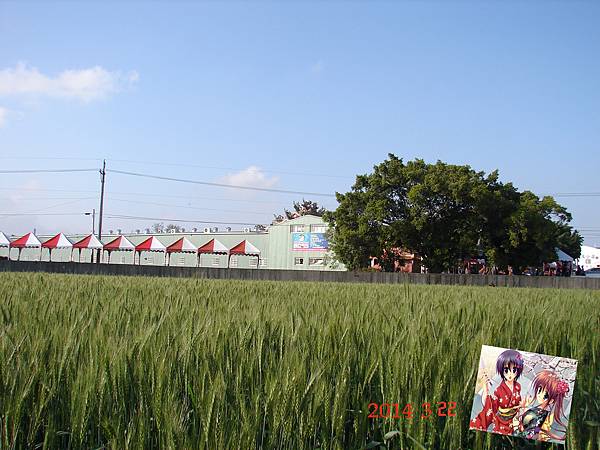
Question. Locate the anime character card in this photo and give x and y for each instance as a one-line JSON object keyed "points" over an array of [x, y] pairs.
{"points": [[523, 394]]}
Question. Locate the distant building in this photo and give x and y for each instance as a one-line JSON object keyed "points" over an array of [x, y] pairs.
{"points": [[590, 257], [299, 244]]}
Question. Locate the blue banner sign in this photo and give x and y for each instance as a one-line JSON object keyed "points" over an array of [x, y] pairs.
{"points": [[309, 241]]}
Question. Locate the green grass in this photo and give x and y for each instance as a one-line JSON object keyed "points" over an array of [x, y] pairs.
{"points": [[116, 362]]}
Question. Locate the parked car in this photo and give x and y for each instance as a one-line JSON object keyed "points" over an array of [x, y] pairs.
{"points": [[594, 272]]}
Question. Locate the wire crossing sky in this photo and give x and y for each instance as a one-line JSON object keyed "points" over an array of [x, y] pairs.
{"points": [[288, 96]]}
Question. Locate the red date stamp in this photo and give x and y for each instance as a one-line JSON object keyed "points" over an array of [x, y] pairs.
{"points": [[398, 411]]}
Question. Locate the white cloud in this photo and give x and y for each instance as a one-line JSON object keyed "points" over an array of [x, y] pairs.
{"points": [[84, 84], [250, 177], [31, 186], [3, 114]]}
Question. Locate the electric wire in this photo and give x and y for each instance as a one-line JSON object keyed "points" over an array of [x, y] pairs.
{"points": [[48, 207], [121, 216], [187, 207], [207, 183], [46, 171], [283, 172]]}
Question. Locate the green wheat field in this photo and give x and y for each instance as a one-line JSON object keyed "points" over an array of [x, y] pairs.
{"points": [[130, 363]]}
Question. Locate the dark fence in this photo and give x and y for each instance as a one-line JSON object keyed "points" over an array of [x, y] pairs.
{"points": [[300, 275]]}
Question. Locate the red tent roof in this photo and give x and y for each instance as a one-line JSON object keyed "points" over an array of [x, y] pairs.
{"points": [[58, 241], [182, 245], [152, 244], [120, 243], [90, 241], [213, 246], [28, 240], [244, 248]]}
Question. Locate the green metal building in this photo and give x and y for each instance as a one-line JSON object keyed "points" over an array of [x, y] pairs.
{"points": [[296, 244]]}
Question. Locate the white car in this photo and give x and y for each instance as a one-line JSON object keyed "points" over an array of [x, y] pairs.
{"points": [[594, 272]]}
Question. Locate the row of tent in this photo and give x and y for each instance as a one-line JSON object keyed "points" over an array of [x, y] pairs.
{"points": [[121, 243]]}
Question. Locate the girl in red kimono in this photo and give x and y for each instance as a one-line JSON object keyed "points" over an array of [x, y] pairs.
{"points": [[500, 408]]}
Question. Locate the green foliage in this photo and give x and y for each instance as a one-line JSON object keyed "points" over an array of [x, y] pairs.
{"points": [[446, 213], [123, 363]]}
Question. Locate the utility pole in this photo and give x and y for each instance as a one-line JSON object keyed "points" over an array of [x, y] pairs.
{"points": [[103, 175]]}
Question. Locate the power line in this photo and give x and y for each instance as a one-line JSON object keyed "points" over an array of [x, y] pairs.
{"points": [[48, 171], [44, 189], [577, 194], [187, 197], [188, 207], [227, 168], [52, 158], [40, 214], [146, 194], [206, 183], [158, 163], [48, 207], [128, 217], [119, 216], [48, 198]]}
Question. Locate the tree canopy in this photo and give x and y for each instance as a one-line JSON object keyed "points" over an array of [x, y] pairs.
{"points": [[446, 213]]}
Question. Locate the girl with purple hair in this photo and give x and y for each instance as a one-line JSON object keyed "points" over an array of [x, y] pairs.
{"points": [[500, 408]]}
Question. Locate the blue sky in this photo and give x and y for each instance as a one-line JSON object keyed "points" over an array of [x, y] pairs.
{"points": [[291, 95]]}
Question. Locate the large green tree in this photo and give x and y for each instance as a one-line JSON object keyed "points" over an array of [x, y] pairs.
{"points": [[445, 213]]}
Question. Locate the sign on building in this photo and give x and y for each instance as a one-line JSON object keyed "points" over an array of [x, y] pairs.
{"points": [[309, 241]]}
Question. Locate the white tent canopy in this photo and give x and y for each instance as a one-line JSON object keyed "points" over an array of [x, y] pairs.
{"points": [[562, 256], [58, 241], [4, 242], [90, 241]]}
